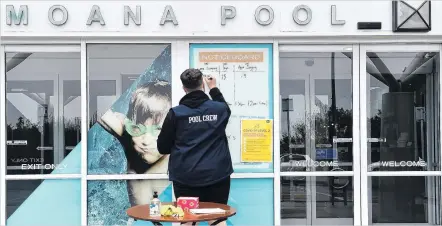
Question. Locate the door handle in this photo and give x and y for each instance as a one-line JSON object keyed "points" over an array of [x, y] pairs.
{"points": [[342, 140], [377, 140], [349, 140]]}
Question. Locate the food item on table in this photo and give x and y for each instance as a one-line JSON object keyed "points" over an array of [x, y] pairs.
{"points": [[171, 211], [166, 210], [180, 212]]}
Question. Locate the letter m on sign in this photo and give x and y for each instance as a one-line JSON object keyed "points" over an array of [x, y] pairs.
{"points": [[13, 17]]}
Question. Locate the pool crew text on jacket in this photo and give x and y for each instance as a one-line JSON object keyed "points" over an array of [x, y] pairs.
{"points": [[193, 133]]}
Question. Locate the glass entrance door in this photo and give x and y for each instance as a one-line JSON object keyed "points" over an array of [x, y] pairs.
{"points": [[400, 134], [317, 131]]}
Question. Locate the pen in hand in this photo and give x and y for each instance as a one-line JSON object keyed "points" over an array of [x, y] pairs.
{"points": [[210, 81]]}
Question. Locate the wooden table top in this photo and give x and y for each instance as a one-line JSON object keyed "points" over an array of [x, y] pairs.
{"points": [[141, 212]]}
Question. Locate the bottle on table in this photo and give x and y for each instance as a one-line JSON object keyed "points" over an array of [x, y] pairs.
{"points": [[155, 205]]}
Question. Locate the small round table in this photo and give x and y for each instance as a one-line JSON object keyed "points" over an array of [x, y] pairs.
{"points": [[141, 212]]}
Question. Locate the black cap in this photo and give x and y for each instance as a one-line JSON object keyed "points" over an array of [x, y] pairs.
{"points": [[155, 194]]}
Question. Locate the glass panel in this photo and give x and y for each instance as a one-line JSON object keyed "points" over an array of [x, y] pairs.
{"points": [[18, 192], [403, 111], [41, 118], [316, 201], [108, 68], [102, 94], [333, 115], [316, 114], [404, 200], [116, 73], [294, 200], [43, 202], [72, 117]]}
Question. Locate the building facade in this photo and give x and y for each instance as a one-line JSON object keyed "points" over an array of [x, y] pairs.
{"points": [[346, 95]]}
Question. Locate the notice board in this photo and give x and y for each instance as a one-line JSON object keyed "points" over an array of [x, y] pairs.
{"points": [[244, 75]]}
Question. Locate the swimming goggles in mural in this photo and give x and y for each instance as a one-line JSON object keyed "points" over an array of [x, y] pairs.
{"points": [[137, 130]]}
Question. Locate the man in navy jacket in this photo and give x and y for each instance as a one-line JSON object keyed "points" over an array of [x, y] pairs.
{"points": [[194, 134]]}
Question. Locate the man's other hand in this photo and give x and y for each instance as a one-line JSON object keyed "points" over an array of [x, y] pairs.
{"points": [[210, 81]]}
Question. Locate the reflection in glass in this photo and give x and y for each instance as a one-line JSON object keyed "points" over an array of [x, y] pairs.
{"points": [[316, 201], [404, 200], [102, 94], [112, 68], [403, 111], [316, 114], [72, 117], [18, 192], [39, 131]]}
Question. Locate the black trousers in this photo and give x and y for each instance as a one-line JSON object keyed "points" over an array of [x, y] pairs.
{"points": [[217, 193]]}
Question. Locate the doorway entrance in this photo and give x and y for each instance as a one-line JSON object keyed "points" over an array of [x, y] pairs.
{"points": [[360, 132], [400, 136], [316, 90]]}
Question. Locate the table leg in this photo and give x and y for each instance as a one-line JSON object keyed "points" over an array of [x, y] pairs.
{"points": [[219, 221]]}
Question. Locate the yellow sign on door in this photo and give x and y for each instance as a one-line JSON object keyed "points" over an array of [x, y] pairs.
{"points": [[256, 140]]}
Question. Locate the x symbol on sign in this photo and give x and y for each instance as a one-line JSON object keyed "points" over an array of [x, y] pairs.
{"points": [[414, 13]]}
